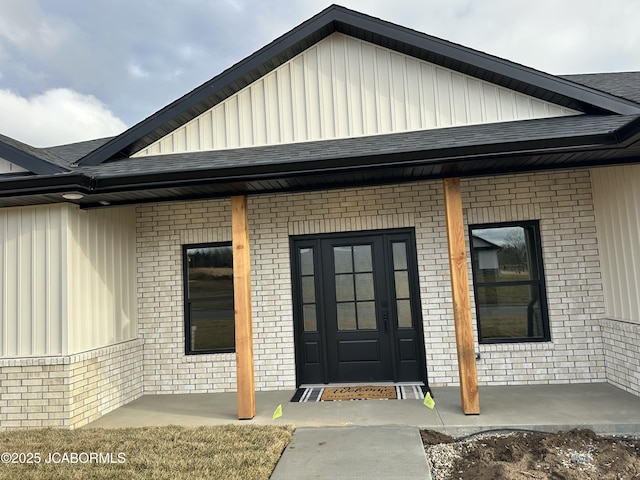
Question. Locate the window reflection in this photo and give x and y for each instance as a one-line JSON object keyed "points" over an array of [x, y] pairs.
{"points": [[504, 254], [509, 286], [210, 318]]}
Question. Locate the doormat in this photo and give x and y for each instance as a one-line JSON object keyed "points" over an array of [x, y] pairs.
{"points": [[360, 392]]}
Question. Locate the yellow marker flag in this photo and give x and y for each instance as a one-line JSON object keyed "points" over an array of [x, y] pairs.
{"points": [[278, 412], [429, 401]]}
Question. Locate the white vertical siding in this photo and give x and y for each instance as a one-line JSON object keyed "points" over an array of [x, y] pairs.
{"points": [[32, 281], [8, 167], [344, 87], [102, 303], [617, 206], [67, 279]]}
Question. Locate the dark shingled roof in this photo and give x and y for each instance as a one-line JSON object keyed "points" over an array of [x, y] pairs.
{"points": [[390, 147], [72, 152], [622, 84]]}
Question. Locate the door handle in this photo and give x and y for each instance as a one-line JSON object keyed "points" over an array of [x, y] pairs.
{"points": [[385, 321]]}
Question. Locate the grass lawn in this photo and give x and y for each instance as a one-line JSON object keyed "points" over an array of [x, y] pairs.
{"points": [[500, 326], [176, 453]]}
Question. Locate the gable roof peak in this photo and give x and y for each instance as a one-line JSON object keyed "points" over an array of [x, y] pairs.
{"points": [[336, 18]]}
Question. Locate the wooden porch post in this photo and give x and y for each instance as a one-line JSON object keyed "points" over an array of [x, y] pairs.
{"points": [[461, 299], [242, 307]]}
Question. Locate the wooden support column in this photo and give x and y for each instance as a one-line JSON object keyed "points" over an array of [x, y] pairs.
{"points": [[242, 307], [461, 300]]}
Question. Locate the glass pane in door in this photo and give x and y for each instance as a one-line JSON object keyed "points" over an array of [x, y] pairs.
{"points": [[308, 287], [346, 316], [354, 287], [401, 281], [343, 259]]}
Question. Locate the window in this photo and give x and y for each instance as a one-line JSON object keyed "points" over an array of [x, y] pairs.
{"points": [[508, 282], [208, 293]]}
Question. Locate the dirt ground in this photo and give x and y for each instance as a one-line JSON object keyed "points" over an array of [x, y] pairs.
{"points": [[570, 455]]}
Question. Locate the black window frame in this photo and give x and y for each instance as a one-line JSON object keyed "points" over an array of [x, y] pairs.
{"points": [[187, 300], [534, 225]]}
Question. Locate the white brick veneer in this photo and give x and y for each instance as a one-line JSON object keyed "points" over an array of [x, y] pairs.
{"points": [[69, 391], [162, 230], [622, 354], [561, 201]]}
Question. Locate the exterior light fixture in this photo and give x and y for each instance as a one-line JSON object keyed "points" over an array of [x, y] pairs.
{"points": [[72, 196]]}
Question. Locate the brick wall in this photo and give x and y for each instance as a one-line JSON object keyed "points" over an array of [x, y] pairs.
{"points": [[102, 380], [561, 201], [68, 391], [162, 230], [622, 354], [34, 392]]}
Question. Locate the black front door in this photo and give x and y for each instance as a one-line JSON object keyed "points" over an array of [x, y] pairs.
{"points": [[357, 316]]}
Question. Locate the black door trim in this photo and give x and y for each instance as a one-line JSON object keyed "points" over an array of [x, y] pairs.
{"points": [[311, 349]]}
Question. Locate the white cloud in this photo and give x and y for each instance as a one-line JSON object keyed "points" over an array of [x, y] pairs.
{"points": [[55, 117], [137, 71]]}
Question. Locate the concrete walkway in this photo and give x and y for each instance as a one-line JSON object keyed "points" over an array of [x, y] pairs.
{"points": [[354, 452], [353, 439]]}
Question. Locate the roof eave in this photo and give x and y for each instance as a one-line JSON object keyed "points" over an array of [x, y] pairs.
{"points": [[492, 159], [175, 179], [45, 185], [27, 161]]}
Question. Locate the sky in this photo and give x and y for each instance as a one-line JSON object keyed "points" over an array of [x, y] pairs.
{"points": [[74, 70]]}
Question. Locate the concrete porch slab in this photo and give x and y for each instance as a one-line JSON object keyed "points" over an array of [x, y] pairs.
{"points": [[601, 407]]}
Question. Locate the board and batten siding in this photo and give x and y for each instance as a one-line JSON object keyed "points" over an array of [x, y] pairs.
{"points": [[33, 281], [101, 276], [67, 279], [617, 207], [345, 87]]}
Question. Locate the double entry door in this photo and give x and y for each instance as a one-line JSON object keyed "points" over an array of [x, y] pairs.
{"points": [[356, 308]]}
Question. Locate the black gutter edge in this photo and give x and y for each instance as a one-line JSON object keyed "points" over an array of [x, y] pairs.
{"points": [[44, 185], [89, 186], [387, 180], [93, 185], [337, 165], [628, 133], [28, 161]]}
